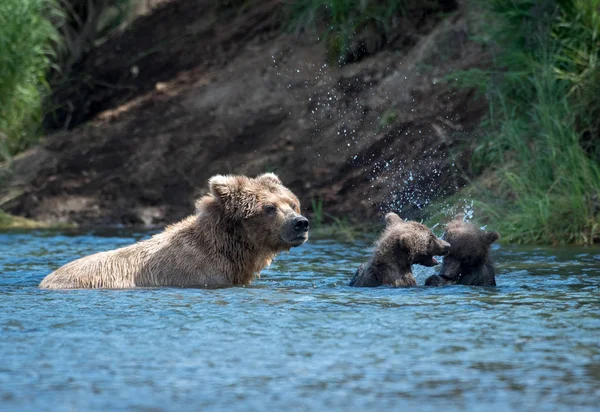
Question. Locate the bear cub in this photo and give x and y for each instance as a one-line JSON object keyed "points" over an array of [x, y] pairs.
{"points": [[468, 262], [402, 244]]}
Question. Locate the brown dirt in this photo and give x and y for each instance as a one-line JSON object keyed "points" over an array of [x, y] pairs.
{"points": [[217, 92]]}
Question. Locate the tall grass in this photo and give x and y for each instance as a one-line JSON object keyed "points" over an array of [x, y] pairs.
{"points": [[544, 95], [318, 215], [35, 36], [25, 56]]}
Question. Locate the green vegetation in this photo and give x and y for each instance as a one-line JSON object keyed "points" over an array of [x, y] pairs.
{"points": [[544, 121], [317, 211], [387, 118], [337, 228], [16, 222], [26, 34], [345, 19], [344, 230], [84, 24], [39, 40]]}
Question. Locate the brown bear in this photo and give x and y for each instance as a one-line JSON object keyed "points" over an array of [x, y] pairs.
{"points": [[402, 244], [238, 228], [468, 262]]}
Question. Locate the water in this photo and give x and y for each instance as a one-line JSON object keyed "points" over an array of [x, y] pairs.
{"points": [[299, 338]]}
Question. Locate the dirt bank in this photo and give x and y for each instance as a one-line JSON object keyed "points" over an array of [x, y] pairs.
{"points": [[178, 98]]}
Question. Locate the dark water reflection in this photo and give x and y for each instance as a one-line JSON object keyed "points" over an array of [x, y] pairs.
{"points": [[299, 338]]}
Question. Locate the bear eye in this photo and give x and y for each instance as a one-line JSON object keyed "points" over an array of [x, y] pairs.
{"points": [[269, 209]]}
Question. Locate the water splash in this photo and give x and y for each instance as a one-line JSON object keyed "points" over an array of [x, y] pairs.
{"points": [[337, 105]]}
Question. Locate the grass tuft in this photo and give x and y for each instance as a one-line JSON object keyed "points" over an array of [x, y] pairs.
{"points": [[317, 211], [337, 228], [8, 221]]}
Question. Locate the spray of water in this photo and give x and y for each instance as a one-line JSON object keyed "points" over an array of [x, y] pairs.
{"points": [[336, 103]]}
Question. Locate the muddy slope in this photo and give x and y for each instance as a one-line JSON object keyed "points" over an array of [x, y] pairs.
{"points": [[383, 133]]}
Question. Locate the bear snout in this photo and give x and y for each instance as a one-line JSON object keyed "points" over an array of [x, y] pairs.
{"points": [[295, 231], [445, 247], [300, 224]]}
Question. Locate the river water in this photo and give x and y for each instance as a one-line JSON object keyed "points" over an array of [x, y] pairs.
{"points": [[299, 338]]}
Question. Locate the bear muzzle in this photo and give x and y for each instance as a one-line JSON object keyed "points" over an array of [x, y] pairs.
{"points": [[442, 248], [296, 231]]}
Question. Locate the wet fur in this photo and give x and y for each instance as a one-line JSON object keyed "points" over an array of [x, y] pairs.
{"points": [[227, 242], [402, 244], [468, 262]]}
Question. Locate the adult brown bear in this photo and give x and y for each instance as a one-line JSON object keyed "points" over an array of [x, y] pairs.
{"points": [[238, 228]]}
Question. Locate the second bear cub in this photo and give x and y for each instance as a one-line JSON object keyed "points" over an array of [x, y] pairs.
{"points": [[468, 262], [401, 244]]}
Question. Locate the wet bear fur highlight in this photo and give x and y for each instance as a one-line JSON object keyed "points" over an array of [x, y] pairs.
{"points": [[402, 244], [238, 228], [468, 262]]}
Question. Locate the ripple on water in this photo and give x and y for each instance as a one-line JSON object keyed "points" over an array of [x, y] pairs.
{"points": [[299, 337]]}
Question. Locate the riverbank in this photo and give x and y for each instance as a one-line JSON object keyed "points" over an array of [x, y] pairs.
{"points": [[408, 112], [245, 96]]}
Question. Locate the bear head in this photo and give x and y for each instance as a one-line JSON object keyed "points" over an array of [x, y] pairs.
{"points": [[267, 210], [469, 245], [412, 239]]}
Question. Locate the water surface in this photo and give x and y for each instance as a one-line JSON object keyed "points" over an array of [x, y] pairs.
{"points": [[299, 338]]}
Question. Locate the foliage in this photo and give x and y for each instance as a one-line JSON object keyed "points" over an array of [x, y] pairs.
{"points": [[387, 118], [26, 34], [35, 36], [337, 228], [8, 221], [543, 121], [87, 23], [343, 229], [345, 18]]}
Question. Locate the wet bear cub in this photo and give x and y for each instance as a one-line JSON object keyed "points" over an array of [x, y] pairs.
{"points": [[468, 262], [402, 244]]}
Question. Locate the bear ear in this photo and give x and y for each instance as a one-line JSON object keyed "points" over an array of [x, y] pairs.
{"points": [[492, 237], [221, 186], [392, 218], [269, 177]]}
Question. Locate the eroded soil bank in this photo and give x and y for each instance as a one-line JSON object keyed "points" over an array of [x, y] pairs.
{"points": [[192, 90]]}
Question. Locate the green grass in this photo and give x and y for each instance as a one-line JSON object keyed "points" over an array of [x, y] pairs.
{"points": [[543, 123], [340, 228], [344, 230], [42, 39], [26, 35], [8, 221], [317, 213]]}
